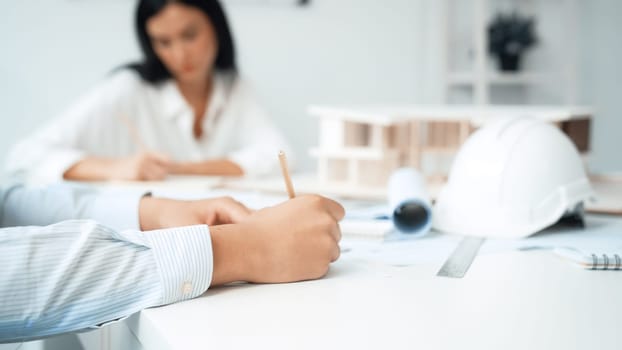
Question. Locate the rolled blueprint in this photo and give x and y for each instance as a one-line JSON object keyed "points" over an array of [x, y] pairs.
{"points": [[409, 202]]}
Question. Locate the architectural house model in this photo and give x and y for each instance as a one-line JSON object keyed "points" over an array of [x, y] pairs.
{"points": [[359, 147]]}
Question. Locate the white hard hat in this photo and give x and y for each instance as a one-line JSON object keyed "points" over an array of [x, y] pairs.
{"points": [[510, 179]]}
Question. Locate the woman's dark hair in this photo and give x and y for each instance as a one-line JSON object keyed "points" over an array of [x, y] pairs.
{"points": [[151, 68]]}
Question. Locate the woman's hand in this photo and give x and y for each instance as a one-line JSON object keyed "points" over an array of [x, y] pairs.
{"points": [[141, 167]]}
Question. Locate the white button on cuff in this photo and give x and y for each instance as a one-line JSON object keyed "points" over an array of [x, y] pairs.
{"points": [[186, 288]]}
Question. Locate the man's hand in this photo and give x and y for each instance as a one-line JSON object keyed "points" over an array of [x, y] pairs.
{"points": [[156, 213], [296, 240]]}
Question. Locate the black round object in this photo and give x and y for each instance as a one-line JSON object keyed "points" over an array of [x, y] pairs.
{"points": [[410, 217]]}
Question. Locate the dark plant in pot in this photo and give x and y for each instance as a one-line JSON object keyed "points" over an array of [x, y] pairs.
{"points": [[509, 36]]}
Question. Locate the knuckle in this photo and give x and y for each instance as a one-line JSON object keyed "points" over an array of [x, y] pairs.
{"points": [[319, 271], [337, 253], [323, 271], [327, 242], [338, 234], [341, 211], [316, 200], [327, 223], [227, 199]]}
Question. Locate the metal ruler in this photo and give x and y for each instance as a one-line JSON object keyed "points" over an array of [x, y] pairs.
{"points": [[460, 260]]}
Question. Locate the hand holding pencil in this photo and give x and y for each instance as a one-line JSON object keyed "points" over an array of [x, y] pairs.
{"points": [[295, 240], [144, 166]]}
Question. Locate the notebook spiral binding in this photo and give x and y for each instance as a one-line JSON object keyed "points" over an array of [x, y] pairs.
{"points": [[605, 264]]}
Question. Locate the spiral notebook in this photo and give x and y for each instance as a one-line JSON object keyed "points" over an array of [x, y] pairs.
{"points": [[593, 260], [597, 246]]}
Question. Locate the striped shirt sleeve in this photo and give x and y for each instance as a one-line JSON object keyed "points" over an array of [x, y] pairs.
{"points": [[41, 206], [79, 274]]}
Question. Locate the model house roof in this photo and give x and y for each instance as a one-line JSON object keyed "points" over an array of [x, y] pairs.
{"points": [[477, 115]]}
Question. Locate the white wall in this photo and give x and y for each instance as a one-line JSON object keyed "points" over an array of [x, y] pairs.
{"points": [[334, 51], [52, 51], [600, 78]]}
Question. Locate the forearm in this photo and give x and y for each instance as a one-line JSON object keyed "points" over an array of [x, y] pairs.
{"points": [[90, 274], [216, 167], [23, 206], [91, 169]]}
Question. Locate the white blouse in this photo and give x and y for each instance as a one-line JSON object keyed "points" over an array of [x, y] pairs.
{"points": [[126, 114]]}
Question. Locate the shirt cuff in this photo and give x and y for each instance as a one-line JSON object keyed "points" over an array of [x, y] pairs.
{"points": [[117, 209], [185, 261]]}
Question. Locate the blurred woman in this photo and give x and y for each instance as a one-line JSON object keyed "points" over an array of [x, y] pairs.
{"points": [[183, 110]]}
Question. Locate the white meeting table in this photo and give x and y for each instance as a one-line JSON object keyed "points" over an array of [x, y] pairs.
{"points": [[512, 300]]}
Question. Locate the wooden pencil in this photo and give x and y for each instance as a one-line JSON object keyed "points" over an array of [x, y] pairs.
{"points": [[286, 177]]}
